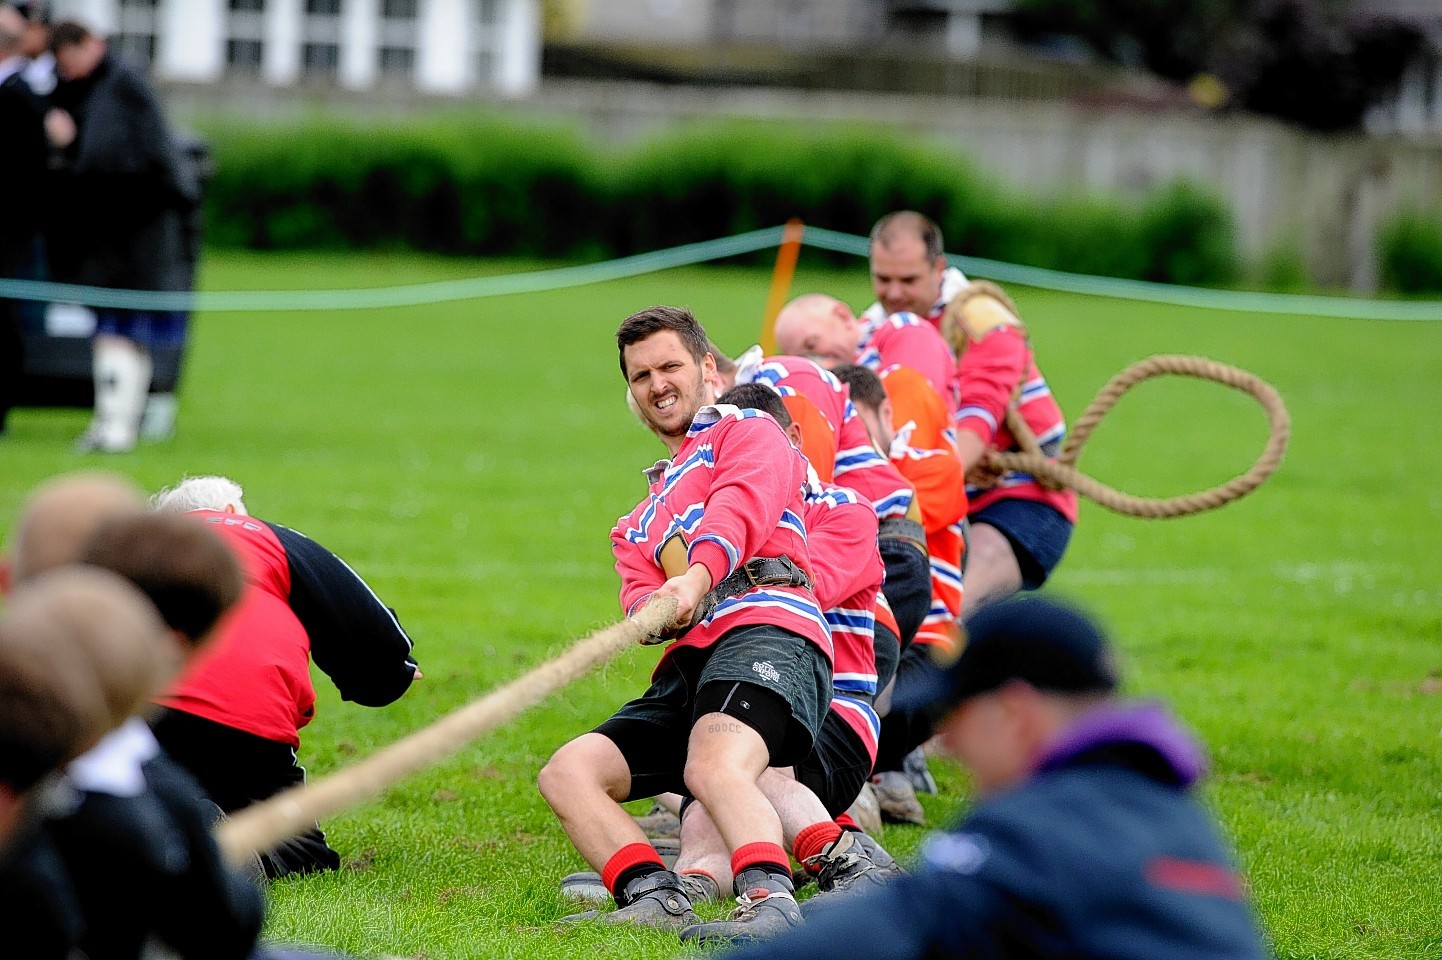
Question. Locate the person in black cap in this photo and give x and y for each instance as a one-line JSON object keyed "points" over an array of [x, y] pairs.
{"points": [[1085, 838]]}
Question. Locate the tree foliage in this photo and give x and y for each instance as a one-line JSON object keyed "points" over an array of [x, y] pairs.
{"points": [[1319, 63]]}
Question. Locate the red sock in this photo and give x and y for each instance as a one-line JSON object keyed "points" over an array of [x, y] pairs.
{"points": [[768, 856], [814, 839], [624, 861], [846, 823]]}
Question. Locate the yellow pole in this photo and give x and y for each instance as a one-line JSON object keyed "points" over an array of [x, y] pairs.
{"points": [[786, 256]]}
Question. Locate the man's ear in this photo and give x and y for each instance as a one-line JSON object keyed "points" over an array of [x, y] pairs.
{"points": [[793, 433], [885, 413]]}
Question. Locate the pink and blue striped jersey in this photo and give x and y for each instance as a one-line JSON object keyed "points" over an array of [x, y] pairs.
{"points": [[734, 491], [858, 464], [906, 340], [841, 535], [990, 370]]}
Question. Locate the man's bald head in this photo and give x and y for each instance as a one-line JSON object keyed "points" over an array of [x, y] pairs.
{"points": [[115, 628], [78, 648], [820, 327], [61, 516]]}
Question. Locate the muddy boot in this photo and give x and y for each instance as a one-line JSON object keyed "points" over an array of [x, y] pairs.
{"points": [[897, 798], [585, 886], [917, 772], [656, 900], [765, 908], [851, 865]]}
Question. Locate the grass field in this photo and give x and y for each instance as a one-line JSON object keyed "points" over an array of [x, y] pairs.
{"points": [[469, 459]]}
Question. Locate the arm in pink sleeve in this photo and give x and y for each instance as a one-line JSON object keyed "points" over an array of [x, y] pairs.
{"points": [[990, 370]]}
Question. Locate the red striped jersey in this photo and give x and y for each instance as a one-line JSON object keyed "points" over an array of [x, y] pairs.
{"points": [[906, 340], [841, 535], [734, 491], [990, 369], [856, 463]]}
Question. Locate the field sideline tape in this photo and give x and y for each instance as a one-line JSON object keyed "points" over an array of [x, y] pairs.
{"points": [[537, 281]]}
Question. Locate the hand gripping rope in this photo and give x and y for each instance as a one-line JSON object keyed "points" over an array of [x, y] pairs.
{"points": [[1062, 472], [260, 827]]}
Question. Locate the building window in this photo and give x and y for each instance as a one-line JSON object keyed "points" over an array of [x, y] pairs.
{"points": [[398, 35], [134, 36], [320, 39], [245, 36], [488, 13], [487, 24], [243, 56], [320, 59]]}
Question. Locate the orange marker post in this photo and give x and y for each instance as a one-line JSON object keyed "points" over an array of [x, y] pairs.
{"points": [[786, 256]]}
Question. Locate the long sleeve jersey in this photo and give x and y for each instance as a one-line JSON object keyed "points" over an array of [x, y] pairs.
{"points": [[299, 601], [855, 461], [841, 535], [906, 340], [925, 454], [734, 491], [990, 370]]}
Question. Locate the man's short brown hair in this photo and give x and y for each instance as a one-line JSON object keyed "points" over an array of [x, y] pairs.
{"points": [[865, 386], [909, 223], [679, 320], [180, 564]]}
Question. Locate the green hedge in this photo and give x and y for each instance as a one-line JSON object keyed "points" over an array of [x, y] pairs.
{"points": [[494, 187], [1410, 247]]}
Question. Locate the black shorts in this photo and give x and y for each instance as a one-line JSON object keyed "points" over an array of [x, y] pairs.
{"points": [[837, 767], [791, 674], [1038, 535]]}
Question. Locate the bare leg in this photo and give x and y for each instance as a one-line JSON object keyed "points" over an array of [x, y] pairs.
{"points": [[992, 572], [585, 782], [725, 759]]}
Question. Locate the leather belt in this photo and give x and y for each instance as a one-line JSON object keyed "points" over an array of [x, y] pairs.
{"points": [[779, 571]]}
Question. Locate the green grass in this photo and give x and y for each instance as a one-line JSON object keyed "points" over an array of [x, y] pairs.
{"points": [[469, 459]]}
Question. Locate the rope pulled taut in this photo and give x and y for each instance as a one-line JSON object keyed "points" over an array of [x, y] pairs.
{"points": [[260, 827], [1062, 471]]}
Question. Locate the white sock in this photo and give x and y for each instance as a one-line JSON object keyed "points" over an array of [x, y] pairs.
{"points": [[158, 422], [122, 381]]}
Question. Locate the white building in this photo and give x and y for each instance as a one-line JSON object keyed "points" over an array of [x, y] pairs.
{"points": [[435, 46]]}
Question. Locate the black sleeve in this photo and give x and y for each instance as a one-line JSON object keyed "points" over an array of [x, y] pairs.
{"points": [[354, 638], [208, 909]]}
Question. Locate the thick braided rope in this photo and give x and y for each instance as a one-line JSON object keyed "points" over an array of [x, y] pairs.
{"points": [[1062, 471], [262, 826]]}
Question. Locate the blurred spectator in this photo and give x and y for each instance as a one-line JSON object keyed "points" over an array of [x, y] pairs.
{"points": [[23, 164], [57, 701], [125, 197], [59, 518]]}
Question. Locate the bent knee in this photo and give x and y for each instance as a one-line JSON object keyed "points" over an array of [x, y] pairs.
{"points": [[590, 762]]}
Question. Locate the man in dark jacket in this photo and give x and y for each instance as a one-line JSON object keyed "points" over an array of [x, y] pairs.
{"points": [[1085, 839], [124, 197]]}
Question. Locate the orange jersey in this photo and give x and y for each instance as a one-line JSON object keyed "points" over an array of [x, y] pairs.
{"points": [[925, 454]]}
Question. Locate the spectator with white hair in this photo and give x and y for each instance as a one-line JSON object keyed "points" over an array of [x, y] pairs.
{"points": [[233, 718]]}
